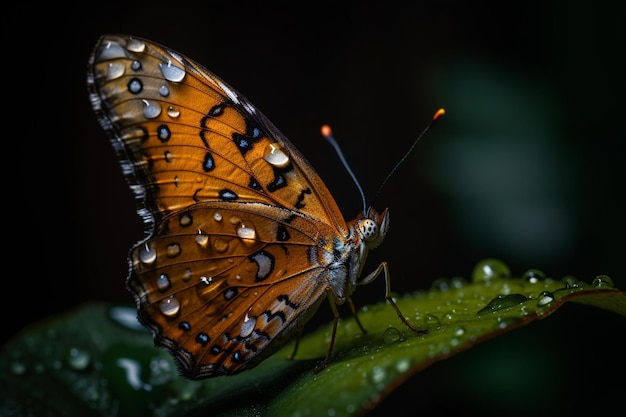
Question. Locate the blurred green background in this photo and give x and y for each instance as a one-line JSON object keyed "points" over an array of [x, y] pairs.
{"points": [[526, 166]]}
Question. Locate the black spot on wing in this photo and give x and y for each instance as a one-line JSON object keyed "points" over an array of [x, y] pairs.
{"points": [[209, 163], [282, 234], [300, 202], [246, 141], [285, 298], [280, 180], [203, 338], [254, 184], [163, 133], [278, 314], [228, 195], [214, 112]]}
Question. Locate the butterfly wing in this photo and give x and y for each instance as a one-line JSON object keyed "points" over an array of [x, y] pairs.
{"points": [[220, 287], [239, 225], [184, 135]]}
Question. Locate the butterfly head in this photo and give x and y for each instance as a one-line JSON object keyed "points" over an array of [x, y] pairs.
{"points": [[373, 227]]}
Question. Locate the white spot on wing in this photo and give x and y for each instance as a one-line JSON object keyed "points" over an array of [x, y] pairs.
{"points": [[264, 263]]}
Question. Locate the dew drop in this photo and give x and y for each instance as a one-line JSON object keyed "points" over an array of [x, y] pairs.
{"points": [[172, 72], [247, 326], [164, 91], [187, 274], [391, 335], [449, 317], [489, 269], [78, 359], [147, 255], [111, 51], [163, 282], [603, 281], [135, 65], [135, 86], [135, 45], [115, 70], [151, 109], [217, 216], [545, 298], [168, 156], [169, 306], [246, 232], [378, 374], [172, 112], [275, 156], [501, 302], [570, 282], [534, 276], [185, 220], [459, 331], [202, 239], [220, 245], [431, 320], [403, 365], [173, 250]]}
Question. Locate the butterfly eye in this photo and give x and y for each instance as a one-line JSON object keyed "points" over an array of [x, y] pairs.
{"points": [[368, 228]]}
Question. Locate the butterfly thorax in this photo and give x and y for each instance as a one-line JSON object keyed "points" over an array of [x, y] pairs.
{"points": [[366, 232]]}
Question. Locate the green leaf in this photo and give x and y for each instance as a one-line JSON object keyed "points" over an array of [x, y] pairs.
{"points": [[98, 361]]}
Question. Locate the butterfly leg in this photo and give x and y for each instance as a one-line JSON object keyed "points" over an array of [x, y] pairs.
{"points": [[333, 306], [383, 268], [353, 310], [295, 346]]}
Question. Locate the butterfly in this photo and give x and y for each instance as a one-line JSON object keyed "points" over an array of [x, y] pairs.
{"points": [[243, 240]]}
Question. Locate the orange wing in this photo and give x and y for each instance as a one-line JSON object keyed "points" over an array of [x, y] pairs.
{"points": [[224, 284], [241, 229], [184, 136]]}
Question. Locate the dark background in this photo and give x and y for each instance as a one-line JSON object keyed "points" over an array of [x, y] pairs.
{"points": [[526, 166]]}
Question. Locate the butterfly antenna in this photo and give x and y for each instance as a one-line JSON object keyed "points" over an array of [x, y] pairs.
{"points": [[436, 117], [328, 135]]}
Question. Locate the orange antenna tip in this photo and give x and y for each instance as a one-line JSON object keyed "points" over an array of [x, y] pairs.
{"points": [[326, 130], [439, 113]]}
